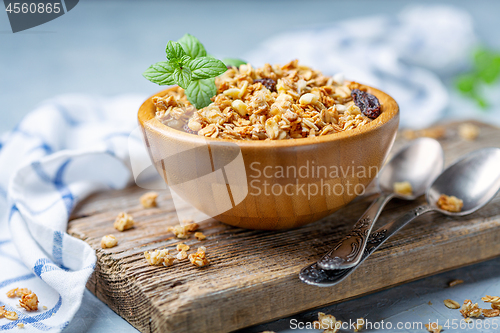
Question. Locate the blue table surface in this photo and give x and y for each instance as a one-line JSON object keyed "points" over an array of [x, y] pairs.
{"points": [[100, 47]]}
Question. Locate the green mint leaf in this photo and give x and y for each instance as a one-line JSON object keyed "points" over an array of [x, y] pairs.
{"points": [[182, 76], [206, 67], [200, 92], [234, 62], [160, 73], [174, 51], [192, 46]]}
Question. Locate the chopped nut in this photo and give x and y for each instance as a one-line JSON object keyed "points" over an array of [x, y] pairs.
{"points": [[434, 327], [455, 282], [469, 309], [403, 188], [29, 302], [148, 199], [199, 258], [200, 236], [11, 315], [156, 257], [491, 312], [468, 131], [450, 203], [20, 325], [123, 222], [308, 98], [182, 247], [182, 255], [239, 106], [108, 241], [327, 323], [360, 322], [451, 304]]}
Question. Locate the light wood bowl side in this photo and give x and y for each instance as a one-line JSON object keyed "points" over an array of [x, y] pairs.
{"points": [[362, 148]]}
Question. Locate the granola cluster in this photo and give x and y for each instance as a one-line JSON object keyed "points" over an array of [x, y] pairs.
{"points": [[28, 301], [165, 258], [328, 323], [108, 241], [450, 203], [403, 188], [267, 103], [184, 231], [123, 222]]}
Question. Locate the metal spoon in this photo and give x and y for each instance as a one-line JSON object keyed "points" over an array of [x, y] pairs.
{"points": [[418, 163], [474, 178]]}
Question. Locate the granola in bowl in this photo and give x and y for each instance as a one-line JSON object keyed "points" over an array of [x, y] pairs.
{"points": [[272, 103]]}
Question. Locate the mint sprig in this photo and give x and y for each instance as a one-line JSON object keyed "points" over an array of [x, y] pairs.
{"points": [[189, 67]]}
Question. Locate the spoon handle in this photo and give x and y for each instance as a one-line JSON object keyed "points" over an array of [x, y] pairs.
{"points": [[347, 253], [315, 275]]}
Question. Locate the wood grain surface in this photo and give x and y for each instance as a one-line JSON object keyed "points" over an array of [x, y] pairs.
{"points": [[253, 275]]}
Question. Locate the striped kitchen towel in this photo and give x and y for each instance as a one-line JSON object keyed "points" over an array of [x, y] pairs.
{"points": [[61, 152]]}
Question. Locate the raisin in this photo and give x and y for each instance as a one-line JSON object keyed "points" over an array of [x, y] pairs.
{"points": [[268, 83], [186, 129], [368, 104]]}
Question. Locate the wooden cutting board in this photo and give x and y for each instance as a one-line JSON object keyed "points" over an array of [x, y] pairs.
{"points": [[253, 275]]}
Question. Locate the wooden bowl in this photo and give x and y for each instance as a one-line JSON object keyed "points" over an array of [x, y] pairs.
{"points": [[243, 185]]}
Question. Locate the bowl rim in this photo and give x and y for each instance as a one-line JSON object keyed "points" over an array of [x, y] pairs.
{"points": [[147, 119]]}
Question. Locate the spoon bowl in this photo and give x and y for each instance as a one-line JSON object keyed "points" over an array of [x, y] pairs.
{"points": [[419, 163], [475, 179]]}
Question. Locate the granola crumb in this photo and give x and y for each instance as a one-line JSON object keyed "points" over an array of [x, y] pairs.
{"points": [[29, 302], [19, 292], [470, 309], [199, 258], [327, 322], [108, 241], [157, 257], [44, 307], [450, 203], [200, 236], [451, 304], [433, 327], [360, 322], [467, 320], [183, 231], [20, 325], [455, 282], [403, 188], [182, 255], [2, 311], [491, 299], [490, 312], [148, 200], [436, 132], [468, 131], [11, 315], [430, 303], [182, 247], [123, 222]]}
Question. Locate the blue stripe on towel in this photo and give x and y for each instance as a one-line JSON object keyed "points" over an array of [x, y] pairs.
{"points": [[16, 279]]}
